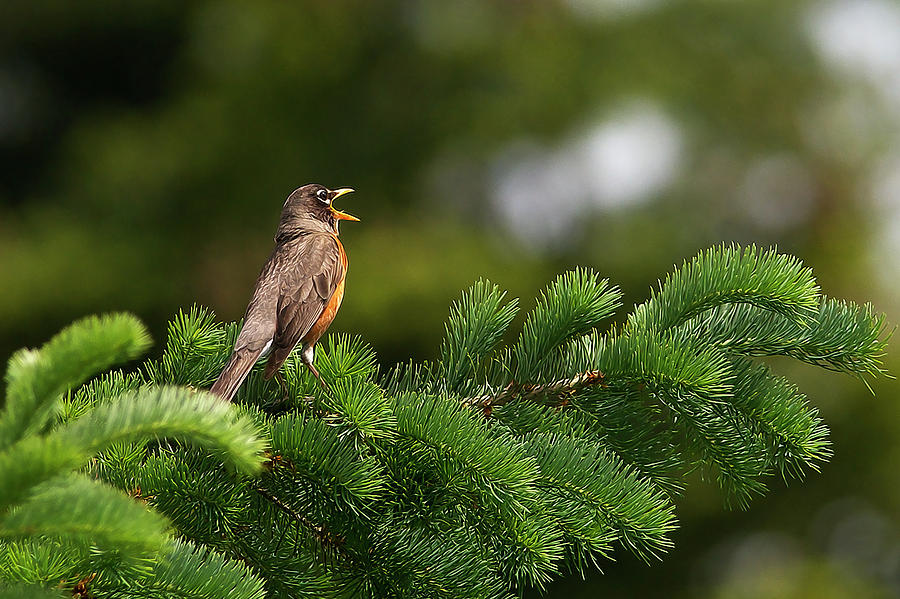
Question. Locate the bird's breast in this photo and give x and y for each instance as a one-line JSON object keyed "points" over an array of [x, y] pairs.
{"points": [[327, 316]]}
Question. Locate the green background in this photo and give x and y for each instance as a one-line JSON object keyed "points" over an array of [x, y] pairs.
{"points": [[146, 149]]}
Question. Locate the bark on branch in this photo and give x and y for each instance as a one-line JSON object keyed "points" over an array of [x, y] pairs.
{"points": [[562, 389]]}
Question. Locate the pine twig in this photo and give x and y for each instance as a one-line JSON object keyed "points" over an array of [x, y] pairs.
{"points": [[561, 388], [320, 532]]}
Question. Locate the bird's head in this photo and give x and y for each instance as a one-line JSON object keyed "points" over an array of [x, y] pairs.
{"points": [[310, 208]]}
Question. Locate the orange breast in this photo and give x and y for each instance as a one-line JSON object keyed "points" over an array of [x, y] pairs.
{"points": [[331, 308]]}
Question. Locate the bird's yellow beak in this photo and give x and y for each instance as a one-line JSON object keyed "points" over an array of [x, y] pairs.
{"points": [[337, 213]]}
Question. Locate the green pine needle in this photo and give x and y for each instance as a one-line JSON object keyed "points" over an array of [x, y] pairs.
{"points": [[317, 454], [28, 591], [598, 499], [477, 322], [36, 379], [575, 303], [841, 336], [93, 511], [489, 461], [197, 418], [191, 338], [191, 572], [36, 560], [730, 275]]}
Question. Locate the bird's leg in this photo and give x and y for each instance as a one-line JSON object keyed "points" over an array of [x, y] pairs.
{"points": [[308, 356], [316, 374]]}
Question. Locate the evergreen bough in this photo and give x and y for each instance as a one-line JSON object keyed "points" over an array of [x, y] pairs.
{"points": [[487, 471]]}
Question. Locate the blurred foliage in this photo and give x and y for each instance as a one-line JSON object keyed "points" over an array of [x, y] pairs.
{"points": [[146, 147]]}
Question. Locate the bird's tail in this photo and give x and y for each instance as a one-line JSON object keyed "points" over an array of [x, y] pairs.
{"points": [[239, 365]]}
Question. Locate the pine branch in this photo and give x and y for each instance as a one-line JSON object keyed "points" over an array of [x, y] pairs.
{"points": [[279, 557], [35, 379], [425, 563], [192, 337], [311, 450], [192, 572], [170, 412], [321, 534], [29, 591], [776, 412], [494, 465], [94, 512], [560, 391], [730, 275], [477, 323], [841, 336], [644, 360], [599, 499], [203, 500], [632, 424], [575, 303], [344, 356], [37, 560], [103, 388]]}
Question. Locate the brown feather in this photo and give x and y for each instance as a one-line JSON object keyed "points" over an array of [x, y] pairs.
{"points": [[307, 283], [239, 365]]}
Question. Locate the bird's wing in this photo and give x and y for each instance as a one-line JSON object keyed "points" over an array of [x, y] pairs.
{"points": [[256, 333], [236, 370], [311, 271]]}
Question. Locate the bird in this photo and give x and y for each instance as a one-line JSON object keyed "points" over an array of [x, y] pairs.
{"points": [[298, 291]]}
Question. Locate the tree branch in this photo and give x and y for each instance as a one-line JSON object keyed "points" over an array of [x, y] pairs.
{"points": [[563, 388], [318, 531]]}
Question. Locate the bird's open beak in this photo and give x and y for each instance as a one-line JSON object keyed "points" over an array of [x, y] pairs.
{"points": [[337, 213]]}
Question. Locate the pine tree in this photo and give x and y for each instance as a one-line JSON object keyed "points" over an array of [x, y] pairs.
{"points": [[488, 471]]}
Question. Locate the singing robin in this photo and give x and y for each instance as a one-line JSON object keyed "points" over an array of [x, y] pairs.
{"points": [[298, 292]]}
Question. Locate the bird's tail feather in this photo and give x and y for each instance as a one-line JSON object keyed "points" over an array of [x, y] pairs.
{"points": [[239, 365]]}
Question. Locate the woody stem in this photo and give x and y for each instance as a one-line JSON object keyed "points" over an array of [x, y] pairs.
{"points": [[561, 387]]}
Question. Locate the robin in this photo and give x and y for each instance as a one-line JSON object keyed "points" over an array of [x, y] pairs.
{"points": [[298, 292]]}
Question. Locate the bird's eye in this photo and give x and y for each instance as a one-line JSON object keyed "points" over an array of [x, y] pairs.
{"points": [[322, 194]]}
